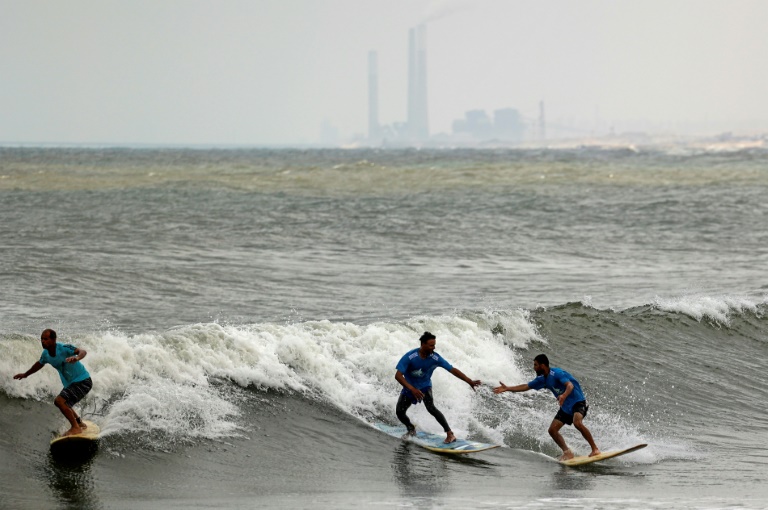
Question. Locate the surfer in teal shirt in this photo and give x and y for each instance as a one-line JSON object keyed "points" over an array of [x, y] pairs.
{"points": [[76, 380], [567, 391], [414, 373]]}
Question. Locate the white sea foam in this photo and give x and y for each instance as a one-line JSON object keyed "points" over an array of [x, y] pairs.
{"points": [[166, 381], [515, 328], [170, 382], [715, 308]]}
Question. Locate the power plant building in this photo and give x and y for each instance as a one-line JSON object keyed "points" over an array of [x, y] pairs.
{"points": [[506, 125], [418, 115]]}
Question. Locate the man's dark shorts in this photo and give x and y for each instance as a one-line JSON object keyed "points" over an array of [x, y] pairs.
{"points": [[578, 407], [75, 392]]}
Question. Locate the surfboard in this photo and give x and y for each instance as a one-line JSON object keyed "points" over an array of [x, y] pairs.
{"points": [[88, 437], [434, 442], [584, 459]]}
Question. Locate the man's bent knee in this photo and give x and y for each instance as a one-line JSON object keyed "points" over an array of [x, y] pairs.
{"points": [[554, 427]]}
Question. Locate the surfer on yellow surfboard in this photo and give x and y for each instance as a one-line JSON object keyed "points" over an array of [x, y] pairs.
{"points": [[77, 381], [573, 404]]}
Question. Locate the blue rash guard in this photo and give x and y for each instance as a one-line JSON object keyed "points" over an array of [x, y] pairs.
{"points": [[69, 373], [418, 371], [556, 382]]}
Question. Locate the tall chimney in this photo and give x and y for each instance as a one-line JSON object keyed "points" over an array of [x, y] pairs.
{"points": [[418, 115]]}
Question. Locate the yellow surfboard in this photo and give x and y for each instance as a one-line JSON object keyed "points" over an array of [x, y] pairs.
{"points": [[584, 459], [89, 435]]}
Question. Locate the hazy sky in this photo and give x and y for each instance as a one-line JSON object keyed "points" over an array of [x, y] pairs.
{"points": [[271, 72]]}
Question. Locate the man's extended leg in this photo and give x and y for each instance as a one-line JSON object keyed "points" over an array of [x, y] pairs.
{"points": [[429, 403], [578, 422], [554, 432], [69, 414], [403, 403], [66, 401]]}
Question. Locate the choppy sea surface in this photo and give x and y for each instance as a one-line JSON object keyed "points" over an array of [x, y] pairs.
{"points": [[243, 312]]}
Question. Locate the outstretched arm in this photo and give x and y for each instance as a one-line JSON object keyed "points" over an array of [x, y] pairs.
{"points": [[515, 389], [37, 366], [458, 373]]}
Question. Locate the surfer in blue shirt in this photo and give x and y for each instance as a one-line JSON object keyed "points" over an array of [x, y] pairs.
{"points": [[77, 381], [414, 373], [567, 391]]}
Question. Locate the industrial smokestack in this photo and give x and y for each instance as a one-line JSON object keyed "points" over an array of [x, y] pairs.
{"points": [[418, 115]]}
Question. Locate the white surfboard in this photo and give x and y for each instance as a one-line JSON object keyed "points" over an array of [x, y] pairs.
{"points": [[88, 436], [435, 442], [585, 459]]}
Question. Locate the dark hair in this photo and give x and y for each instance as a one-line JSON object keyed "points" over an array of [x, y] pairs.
{"points": [[426, 337], [542, 360], [51, 333]]}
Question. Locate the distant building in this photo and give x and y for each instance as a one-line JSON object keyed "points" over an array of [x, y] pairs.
{"points": [[507, 125], [476, 123]]}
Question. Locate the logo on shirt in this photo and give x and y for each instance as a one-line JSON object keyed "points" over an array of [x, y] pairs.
{"points": [[417, 373]]}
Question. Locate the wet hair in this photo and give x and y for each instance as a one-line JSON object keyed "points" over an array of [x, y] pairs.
{"points": [[426, 337], [51, 333], [542, 359]]}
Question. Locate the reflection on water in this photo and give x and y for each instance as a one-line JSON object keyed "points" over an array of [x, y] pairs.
{"points": [[417, 475], [569, 479], [585, 477], [71, 480], [426, 478]]}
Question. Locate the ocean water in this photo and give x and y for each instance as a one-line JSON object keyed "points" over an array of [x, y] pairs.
{"points": [[244, 310]]}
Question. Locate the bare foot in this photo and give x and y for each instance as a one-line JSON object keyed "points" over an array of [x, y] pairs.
{"points": [[450, 438], [409, 434], [73, 431], [567, 455], [83, 425], [594, 452]]}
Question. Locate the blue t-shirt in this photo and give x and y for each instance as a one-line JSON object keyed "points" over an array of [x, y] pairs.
{"points": [[556, 381], [418, 371], [70, 373]]}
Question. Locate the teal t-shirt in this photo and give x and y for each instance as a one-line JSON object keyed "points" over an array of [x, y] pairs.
{"points": [[70, 373]]}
